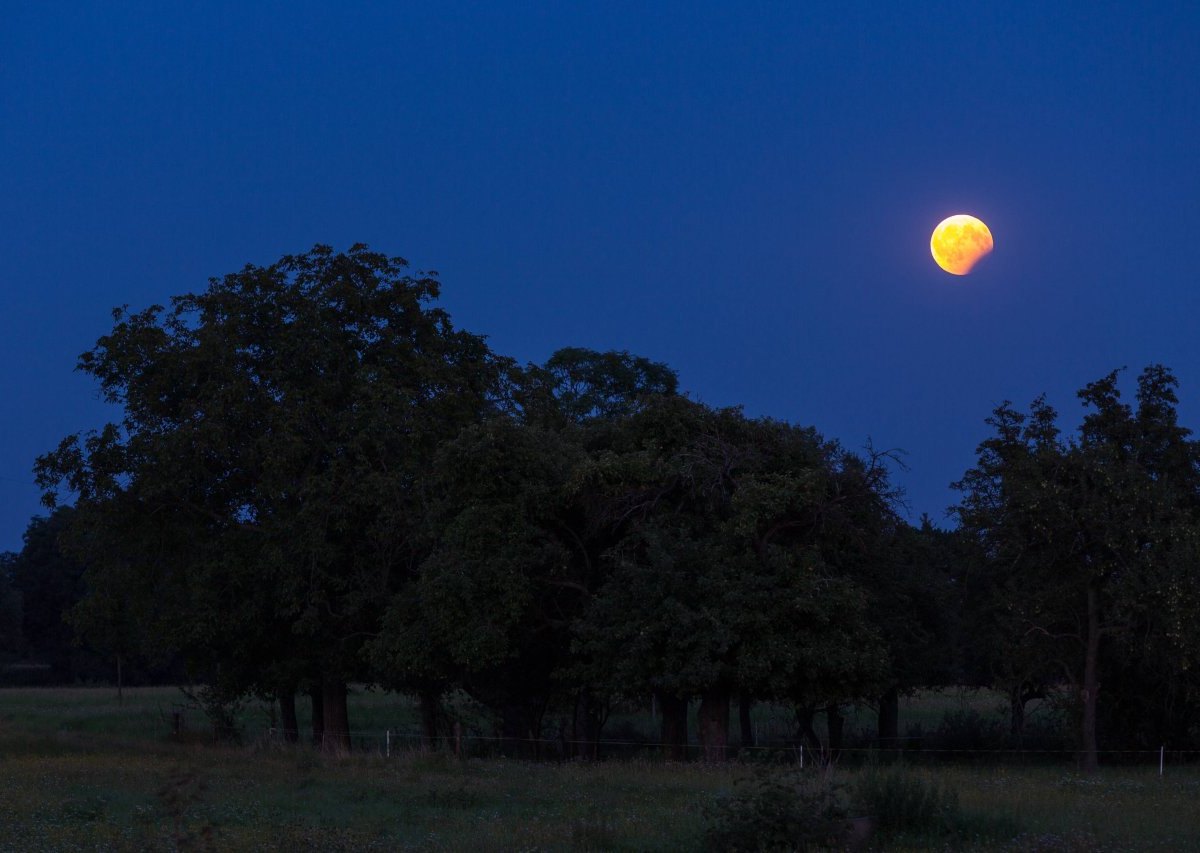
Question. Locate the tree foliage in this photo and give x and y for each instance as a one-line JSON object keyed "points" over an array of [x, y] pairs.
{"points": [[46, 584], [258, 496], [12, 639], [735, 572], [1090, 540], [316, 479]]}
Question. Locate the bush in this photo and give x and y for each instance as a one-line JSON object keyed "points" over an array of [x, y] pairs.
{"points": [[776, 810], [902, 801]]}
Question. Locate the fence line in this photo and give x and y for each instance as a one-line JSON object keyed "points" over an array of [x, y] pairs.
{"points": [[388, 736], [462, 739]]}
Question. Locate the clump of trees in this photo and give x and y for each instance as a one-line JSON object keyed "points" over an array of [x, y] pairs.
{"points": [[1085, 560], [40, 588], [317, 480]]}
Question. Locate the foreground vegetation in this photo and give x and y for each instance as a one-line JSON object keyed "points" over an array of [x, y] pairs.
{"points": [[79, 770]]}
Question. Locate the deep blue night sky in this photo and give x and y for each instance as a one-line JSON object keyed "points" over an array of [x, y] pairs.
{"points": [[745, 191]]}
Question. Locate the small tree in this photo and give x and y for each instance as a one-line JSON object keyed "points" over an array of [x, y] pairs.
{"points": [[12, 641], [50, 583]]}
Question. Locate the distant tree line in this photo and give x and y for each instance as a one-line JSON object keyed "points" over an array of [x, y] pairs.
{"points": [[318, 480]]}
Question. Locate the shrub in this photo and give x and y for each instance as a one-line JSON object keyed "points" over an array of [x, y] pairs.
{"points": [[776, 810], [902, 801]]}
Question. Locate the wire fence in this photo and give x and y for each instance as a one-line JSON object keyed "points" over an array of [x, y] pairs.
{"points": [[399, 742], [773, 747]]}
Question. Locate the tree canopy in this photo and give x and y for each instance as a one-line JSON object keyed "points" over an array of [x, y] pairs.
{"points": [[316, 479], [1091, 539], [259, 498]]}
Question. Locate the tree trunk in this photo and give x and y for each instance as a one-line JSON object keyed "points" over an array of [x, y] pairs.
{"points": [[585, 726], [837, 726], [318, 717], [337, 716], [430, 701], [889, 719], [713, 723], [515, 729], [1091, 683], [120, 683], [1016, 716], [746, 724], [577, 747], [287, 716], [805, 732], [674, 726], [537, 716]]}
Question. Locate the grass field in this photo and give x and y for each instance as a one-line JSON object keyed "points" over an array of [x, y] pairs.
{"points": [[80, 771]]}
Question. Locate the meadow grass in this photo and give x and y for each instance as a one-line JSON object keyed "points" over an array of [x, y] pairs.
{"points": [[1059, 809], [80, 771]]}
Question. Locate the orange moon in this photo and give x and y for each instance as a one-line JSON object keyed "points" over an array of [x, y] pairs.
{"points": [[959, 242]]}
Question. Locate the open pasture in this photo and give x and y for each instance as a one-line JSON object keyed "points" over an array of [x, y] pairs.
{"points": [[80, 771]]}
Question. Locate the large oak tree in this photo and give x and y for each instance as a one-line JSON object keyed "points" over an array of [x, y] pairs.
{"points": [[260, 498]]}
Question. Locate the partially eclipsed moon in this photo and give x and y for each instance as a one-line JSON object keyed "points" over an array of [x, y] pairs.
{"points": [[959, 242]]}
